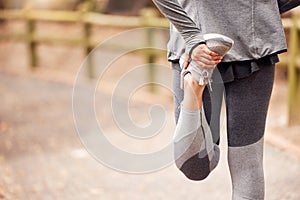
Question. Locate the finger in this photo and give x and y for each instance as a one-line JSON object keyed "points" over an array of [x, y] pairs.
{"points": [[202, 62], [213, 53], [207, 61], [208, 57], [208, 51], [186, 64], [203, 51], [186, 61], [204, 66], [216, 58]]}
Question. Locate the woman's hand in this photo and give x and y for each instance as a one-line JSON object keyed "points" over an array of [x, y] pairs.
{"points": [[205, 58]]}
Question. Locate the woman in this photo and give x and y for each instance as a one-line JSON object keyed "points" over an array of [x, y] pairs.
{"points": [[247, 73]]}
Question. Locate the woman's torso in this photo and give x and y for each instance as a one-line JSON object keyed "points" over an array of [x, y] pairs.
{"points": [[254, 25]]}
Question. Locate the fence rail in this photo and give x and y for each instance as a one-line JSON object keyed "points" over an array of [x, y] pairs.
{"points": [[148, 18], [88, 17]]}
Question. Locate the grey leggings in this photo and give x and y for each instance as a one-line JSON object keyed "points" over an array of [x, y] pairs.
{"points": [[247, 102]]}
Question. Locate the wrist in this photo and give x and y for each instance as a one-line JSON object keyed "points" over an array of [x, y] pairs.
{"points": [[194, 47]]}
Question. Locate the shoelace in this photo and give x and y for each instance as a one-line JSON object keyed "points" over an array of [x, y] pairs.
{"points": [[204, 75]]}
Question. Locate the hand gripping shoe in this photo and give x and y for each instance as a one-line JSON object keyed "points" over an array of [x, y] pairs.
{"points": [[217, 43]]}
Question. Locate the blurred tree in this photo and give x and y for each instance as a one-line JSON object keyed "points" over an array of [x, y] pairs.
{"points": [[127, 7]]}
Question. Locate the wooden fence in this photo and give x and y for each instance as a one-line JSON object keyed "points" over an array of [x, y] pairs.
{"points": [[148, 18], [293, 64]]}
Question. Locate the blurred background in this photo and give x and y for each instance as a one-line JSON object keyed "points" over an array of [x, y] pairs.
{"points": [[43, 46]]}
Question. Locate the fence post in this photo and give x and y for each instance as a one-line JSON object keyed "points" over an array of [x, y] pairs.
{"points": [[32, 45], [294, 74], [147, 15], [87, 6]]}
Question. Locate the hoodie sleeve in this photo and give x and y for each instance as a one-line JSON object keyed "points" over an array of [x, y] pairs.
{"points": [[172, 10], [286, 5]]}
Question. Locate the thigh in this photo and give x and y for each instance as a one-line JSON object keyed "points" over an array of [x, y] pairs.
{"points": [[212, 103], [247, 102]]}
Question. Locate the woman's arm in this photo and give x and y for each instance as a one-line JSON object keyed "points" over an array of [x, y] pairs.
{"points": [[172, 10], [192, 35]]}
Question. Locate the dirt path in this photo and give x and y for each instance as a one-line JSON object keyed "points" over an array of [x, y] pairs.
{"points": [[41, 156]]}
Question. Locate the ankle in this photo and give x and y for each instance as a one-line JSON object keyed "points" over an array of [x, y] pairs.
{"points": [[193, 85], [192, 93]]}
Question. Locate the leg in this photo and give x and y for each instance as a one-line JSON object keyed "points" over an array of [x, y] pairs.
{"points": [[247, 103], [212, 103], [195, 153]]}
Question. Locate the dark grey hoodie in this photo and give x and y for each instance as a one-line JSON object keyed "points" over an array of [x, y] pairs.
{"points": [[254, 25]]}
